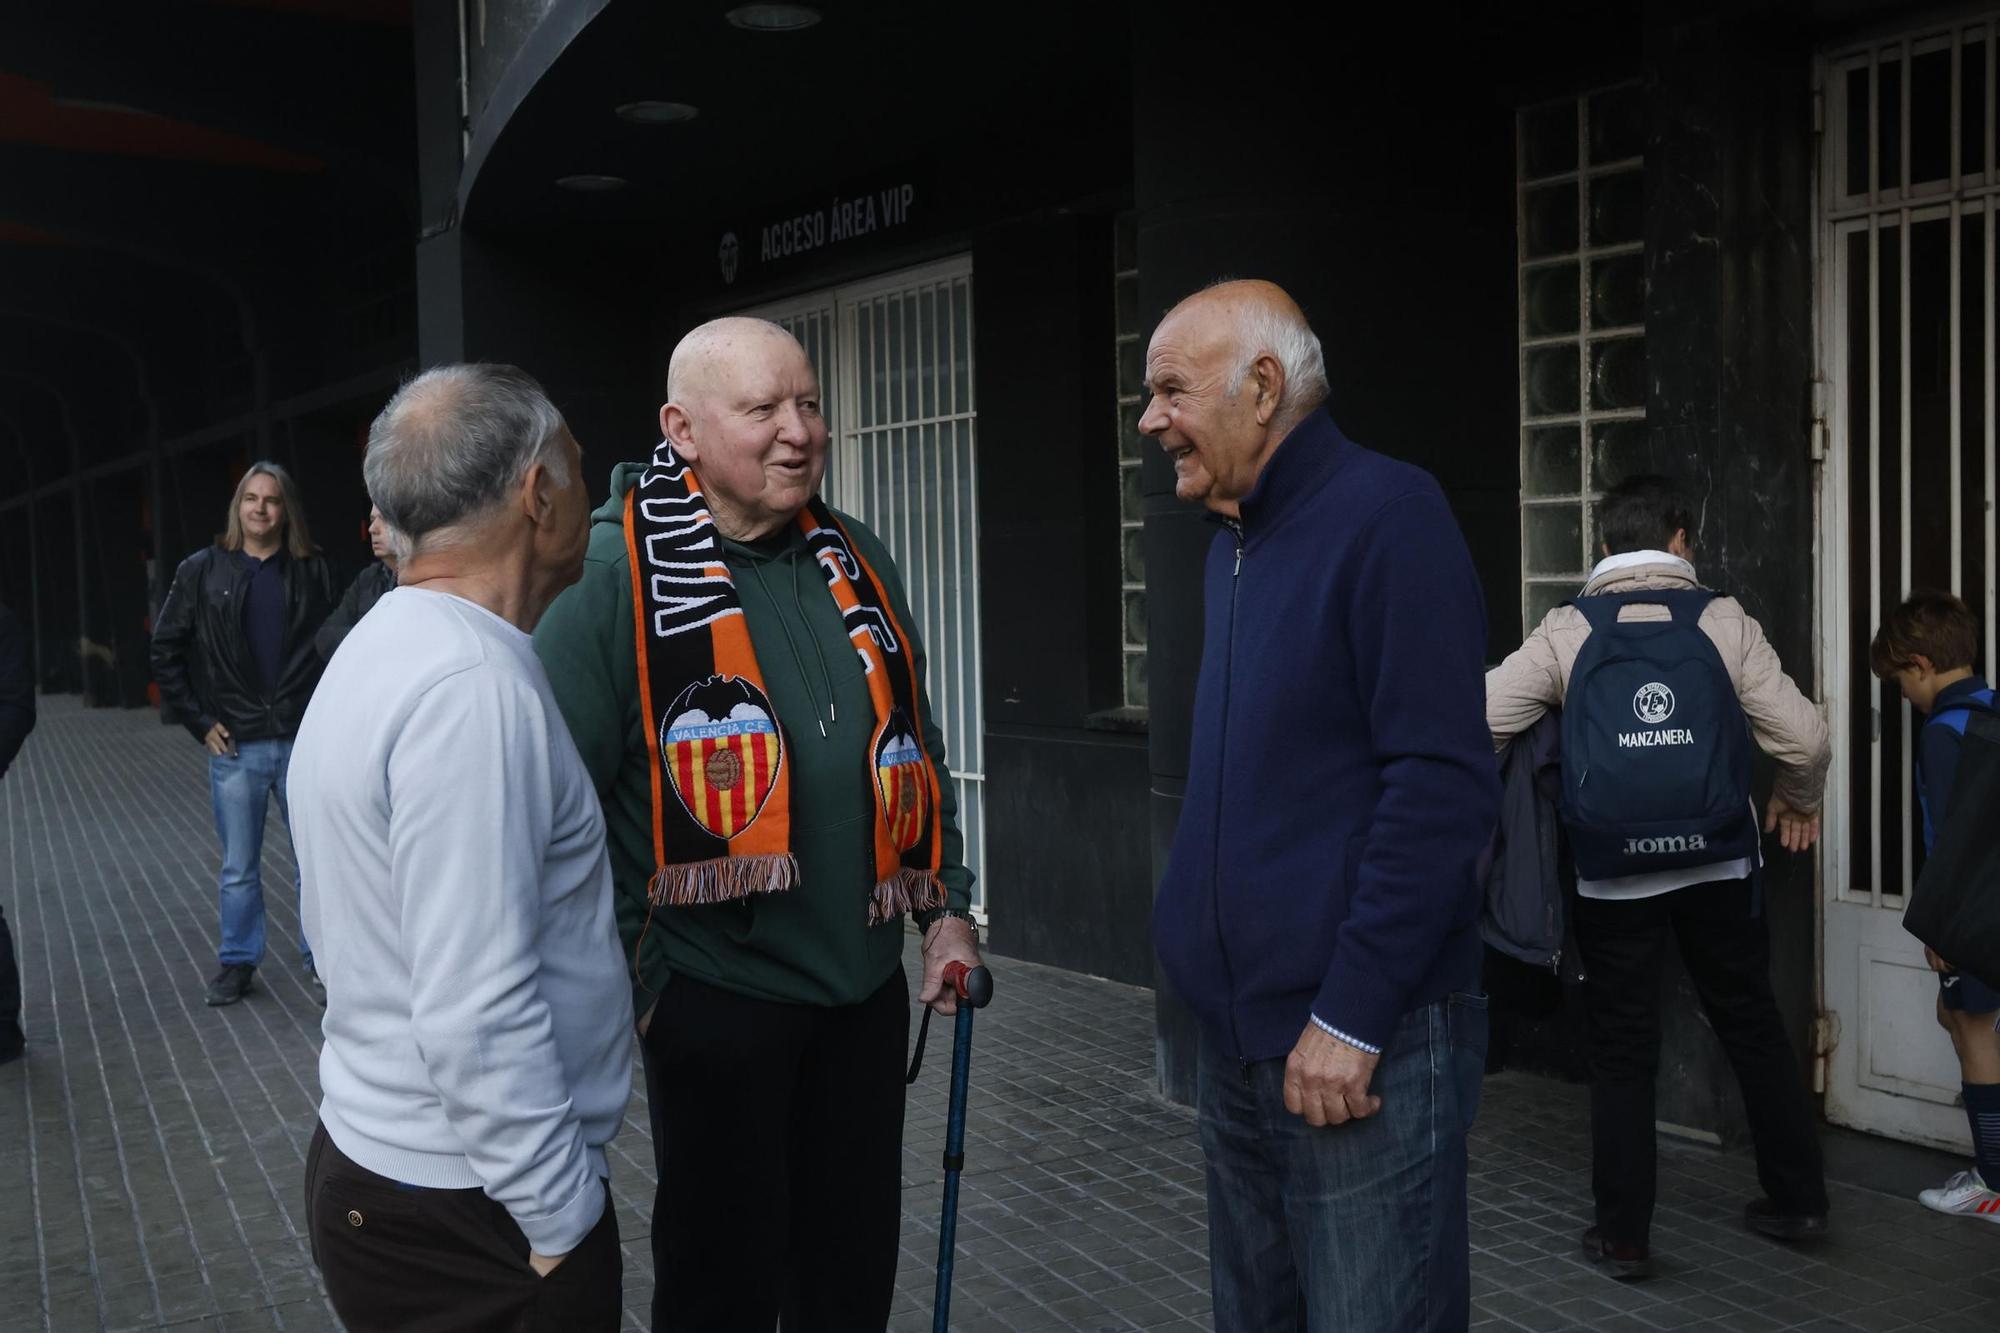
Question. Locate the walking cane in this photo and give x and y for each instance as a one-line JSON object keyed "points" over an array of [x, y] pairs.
{"points": [[974, 986]]}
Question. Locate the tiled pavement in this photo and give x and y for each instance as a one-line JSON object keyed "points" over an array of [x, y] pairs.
{"points": [[151, 1150]]}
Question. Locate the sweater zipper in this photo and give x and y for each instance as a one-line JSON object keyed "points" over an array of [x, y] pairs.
{"points": [[1215, 876]]}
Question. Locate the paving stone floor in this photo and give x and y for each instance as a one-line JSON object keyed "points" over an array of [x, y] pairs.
{"points": [[151, 1149]]}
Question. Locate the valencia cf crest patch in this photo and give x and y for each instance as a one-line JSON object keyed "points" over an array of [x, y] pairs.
{"points": [[903, 781], [721, 746]]}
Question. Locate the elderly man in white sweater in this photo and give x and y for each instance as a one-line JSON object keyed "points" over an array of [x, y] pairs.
{"points": [[478, 1028]]}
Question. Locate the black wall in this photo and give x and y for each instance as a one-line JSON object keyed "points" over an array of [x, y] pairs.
{"points": [[1065, 798]]}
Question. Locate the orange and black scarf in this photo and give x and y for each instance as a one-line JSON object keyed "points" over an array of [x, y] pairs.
{"points": [[716, 742]]}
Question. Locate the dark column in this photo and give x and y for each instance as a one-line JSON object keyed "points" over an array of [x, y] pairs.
{"points": [[440, 123], [1065, 800], [1729, 351]]}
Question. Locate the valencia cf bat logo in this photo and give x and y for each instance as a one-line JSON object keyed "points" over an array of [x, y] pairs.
{"points": [[722, 749], [903, 780]]}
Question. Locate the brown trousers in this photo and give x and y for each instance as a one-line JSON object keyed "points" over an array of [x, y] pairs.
{"points": [[446, 1261]]}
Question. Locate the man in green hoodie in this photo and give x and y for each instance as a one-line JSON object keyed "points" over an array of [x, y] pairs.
{"points": [[751, 708]]}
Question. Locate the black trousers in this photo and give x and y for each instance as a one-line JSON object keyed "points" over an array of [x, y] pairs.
{"points": [[778, 1132], [1728, 955], [397, 1258], [10, 992]]}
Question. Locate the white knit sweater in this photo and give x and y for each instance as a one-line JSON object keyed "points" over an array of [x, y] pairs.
{"points": [[458, 897]]}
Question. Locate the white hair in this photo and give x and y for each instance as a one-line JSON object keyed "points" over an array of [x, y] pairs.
{"points": [[450, 446], [1264, 330]]}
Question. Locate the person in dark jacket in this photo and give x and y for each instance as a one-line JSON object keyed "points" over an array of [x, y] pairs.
{"points": [[1320, 907], [366, 590], [17, 719], [1928, 646], [233, 655]]}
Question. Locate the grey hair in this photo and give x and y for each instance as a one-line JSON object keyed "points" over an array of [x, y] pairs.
{"points": [[1263, 330], [451, 444]]}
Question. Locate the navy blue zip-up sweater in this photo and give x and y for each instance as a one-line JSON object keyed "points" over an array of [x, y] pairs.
{"points": [[1341, 780]]}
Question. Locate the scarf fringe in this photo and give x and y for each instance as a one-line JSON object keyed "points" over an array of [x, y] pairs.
{"points": [[723, 879], [908, 890]]}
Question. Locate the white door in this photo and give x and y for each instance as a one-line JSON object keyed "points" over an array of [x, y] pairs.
{"points": [[894, 356], [1909, 201]]}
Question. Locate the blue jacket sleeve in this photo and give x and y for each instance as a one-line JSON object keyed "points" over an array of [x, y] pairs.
{"points": [[1416, 622]]}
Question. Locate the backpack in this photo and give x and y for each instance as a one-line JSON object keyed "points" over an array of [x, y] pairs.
{"points": [[1953, 717], [1955, 905], [1655, 747]]}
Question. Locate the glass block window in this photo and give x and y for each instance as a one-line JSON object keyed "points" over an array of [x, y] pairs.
{"points": [[1581, 260], [1131, 348]]}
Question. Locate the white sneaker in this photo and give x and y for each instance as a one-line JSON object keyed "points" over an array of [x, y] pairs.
{"points": [[1964, 1193]]}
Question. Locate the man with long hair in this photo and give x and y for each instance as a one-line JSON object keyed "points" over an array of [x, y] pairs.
{"points": [[233, 656]]}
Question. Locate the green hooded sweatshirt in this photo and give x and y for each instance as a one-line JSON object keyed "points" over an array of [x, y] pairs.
{"points": [[810, 944]]}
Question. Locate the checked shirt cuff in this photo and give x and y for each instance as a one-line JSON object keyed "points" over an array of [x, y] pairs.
{"points": [[1334, 1032]]}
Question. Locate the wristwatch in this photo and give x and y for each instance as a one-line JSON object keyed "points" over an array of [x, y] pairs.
{"points": [[941, 913]]}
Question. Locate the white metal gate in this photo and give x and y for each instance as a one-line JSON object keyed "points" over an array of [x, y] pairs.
{"points": [[894, 356], [1909, 203]]}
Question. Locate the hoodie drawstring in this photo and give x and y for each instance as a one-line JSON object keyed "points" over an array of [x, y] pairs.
{"points": [[798, 661]]}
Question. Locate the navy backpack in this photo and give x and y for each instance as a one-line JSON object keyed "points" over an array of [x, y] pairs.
{"points": [[1955, 717], [1655, 747], [1955, 905]]}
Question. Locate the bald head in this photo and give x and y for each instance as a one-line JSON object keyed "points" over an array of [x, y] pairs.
{"points": [[1229, 372], [1248, 318], [1235, 295], [743, 407], [705, 357]]}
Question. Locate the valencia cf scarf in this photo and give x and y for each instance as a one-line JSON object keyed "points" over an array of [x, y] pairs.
{"points": [[721, 795]]}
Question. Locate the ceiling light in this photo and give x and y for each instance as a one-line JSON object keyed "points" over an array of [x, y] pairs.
{"points": [[586, 183], [773, 17], [657, 113]]}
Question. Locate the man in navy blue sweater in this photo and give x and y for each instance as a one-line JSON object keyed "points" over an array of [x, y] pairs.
{"points": [[1319, 910]]}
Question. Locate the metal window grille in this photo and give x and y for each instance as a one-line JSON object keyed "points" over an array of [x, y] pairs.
{"points": [[1581, 265], [1910, 202], [1131, 352], [895, 360]]}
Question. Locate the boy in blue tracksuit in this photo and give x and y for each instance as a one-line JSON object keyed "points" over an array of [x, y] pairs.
{"points": [[1927, 647]]}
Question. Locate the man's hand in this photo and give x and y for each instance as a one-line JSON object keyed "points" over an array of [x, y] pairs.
{"points": [[646, 1019], [218, 741], [545, 1264], [1326, 1080], [1796, 832], [1937, 964], [948, 940]]}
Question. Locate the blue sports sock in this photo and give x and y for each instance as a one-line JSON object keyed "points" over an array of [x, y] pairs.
{"points": [[1982, 1109]]}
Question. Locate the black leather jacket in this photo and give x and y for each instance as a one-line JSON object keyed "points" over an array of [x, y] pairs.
{"points": [[201, 656], [368, 588]]}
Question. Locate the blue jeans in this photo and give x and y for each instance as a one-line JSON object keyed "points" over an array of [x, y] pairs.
{"points": [[240, 789], [1360, 1226]]}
